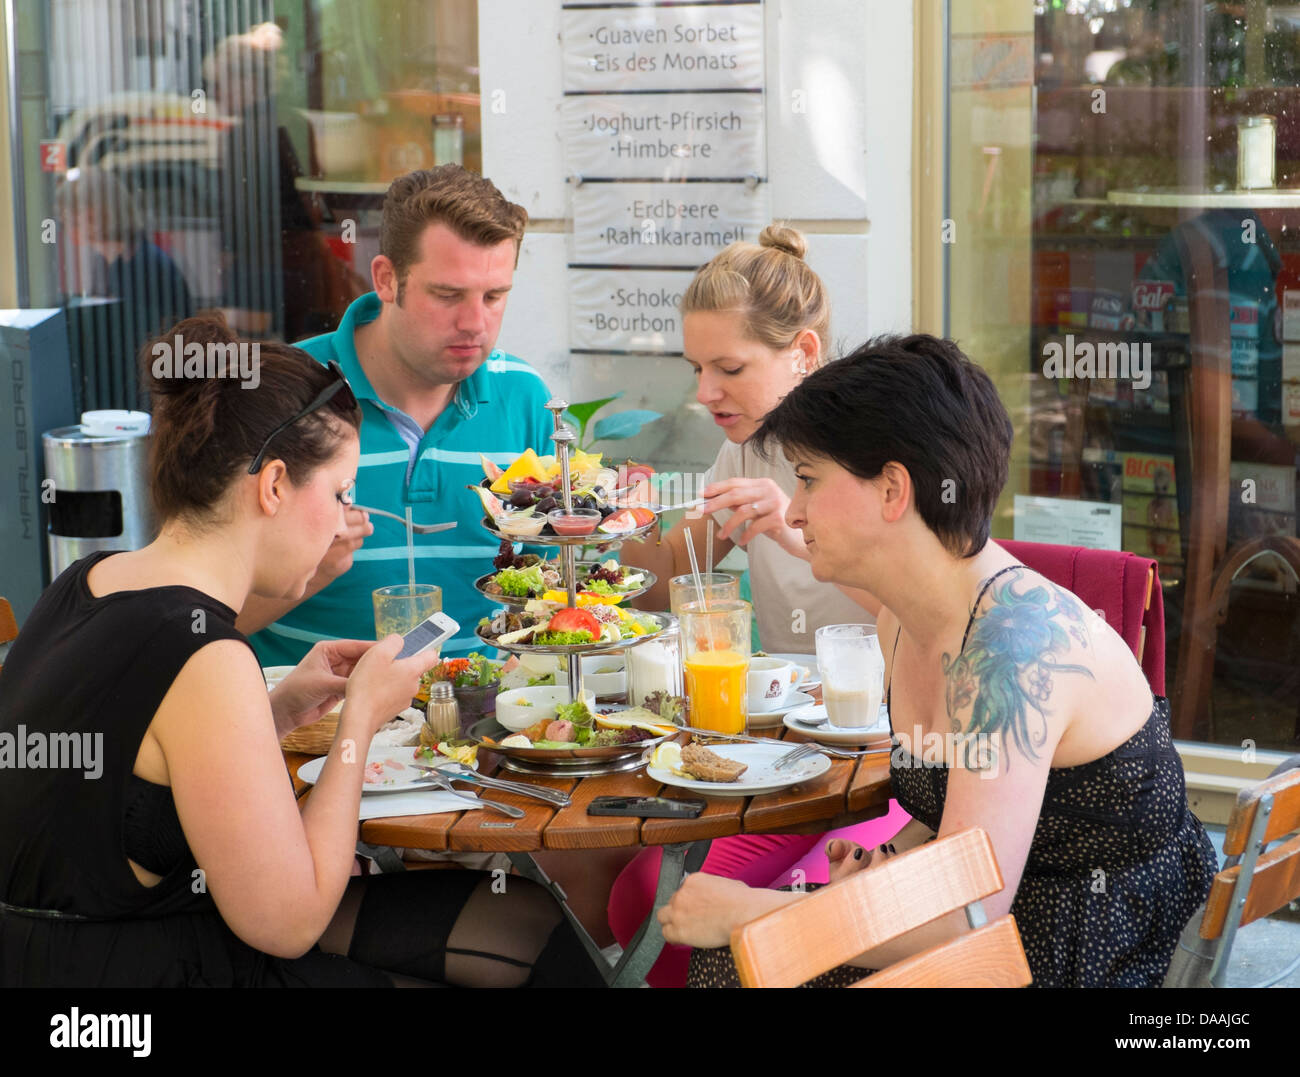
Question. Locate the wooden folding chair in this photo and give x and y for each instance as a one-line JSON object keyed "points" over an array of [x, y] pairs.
{"points": [[792, 945], [1256, 880], [8, 628]]}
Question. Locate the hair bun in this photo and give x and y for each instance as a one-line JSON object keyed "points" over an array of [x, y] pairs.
{"points": [[168, 378], [784, 238]]}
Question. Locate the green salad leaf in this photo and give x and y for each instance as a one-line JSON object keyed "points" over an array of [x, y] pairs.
{"points": [[577, 713], [521, 582], [553, 639]]}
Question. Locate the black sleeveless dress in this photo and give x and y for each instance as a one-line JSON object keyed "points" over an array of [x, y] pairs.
{"points": [[1117, 866], [72, 912]]}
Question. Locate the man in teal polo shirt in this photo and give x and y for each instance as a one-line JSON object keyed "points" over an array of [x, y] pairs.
{"points": [[419, 354]]}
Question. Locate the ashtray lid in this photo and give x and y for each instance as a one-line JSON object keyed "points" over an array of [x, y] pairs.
{"points": [[114, 423]]}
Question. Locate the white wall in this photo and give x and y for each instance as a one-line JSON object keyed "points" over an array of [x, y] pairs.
{"points": [[839, 131]]}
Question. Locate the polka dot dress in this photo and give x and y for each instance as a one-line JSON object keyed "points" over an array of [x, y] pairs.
{"points": [[1117, 866]]}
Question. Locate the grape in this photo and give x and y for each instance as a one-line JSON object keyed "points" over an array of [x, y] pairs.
{"points": [[547, 504], [543, 491], [521, 499]]}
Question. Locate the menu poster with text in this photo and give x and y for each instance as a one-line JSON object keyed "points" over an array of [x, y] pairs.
{"points": [[634, 311], [613, 47], [1067, 522], [657, 224], [664, 136]]}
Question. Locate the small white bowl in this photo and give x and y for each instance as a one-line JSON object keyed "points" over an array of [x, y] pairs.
{"points": [[275, 674], [605, 684], [541, 703]]}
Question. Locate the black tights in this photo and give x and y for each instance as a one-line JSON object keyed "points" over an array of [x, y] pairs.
{"points": [[468, 929]]}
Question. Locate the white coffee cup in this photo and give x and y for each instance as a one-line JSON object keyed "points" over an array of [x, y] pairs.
{"points": [[770, 683]]}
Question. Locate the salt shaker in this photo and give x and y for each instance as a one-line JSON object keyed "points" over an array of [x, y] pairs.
{"points": [[442, 717]]}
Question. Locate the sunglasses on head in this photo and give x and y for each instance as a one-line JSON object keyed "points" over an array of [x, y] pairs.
{"points": [[339, 385]]}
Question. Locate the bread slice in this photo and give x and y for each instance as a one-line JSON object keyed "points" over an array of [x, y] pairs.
{"points": [[708, 766]]}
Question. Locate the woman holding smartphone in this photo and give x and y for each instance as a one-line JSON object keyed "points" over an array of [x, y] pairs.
{"points": [[187, 860], [755, 323]]}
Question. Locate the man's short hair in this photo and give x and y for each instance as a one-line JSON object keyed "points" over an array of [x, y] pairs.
{"points": [[464, 201], [918, 401]]}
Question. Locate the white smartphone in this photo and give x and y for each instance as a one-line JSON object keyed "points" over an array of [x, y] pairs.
{"points": [[428, 633]]}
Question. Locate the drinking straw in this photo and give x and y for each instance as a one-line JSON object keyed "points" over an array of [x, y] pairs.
{"points": [[708, 550], [695, 571], [410, 549]]}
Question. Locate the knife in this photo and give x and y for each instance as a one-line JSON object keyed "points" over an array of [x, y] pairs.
{"points": [[471, 777]]}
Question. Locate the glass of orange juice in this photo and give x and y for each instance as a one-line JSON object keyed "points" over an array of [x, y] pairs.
{"points": [[715, 650]]}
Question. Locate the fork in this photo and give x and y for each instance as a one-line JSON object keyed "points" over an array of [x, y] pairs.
{"points": [[419, 529], [794, 755], [810, 748], [442, 782], [455, 772]]}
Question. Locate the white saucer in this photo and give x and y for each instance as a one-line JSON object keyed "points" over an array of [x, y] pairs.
{"points": [[771, 719], [829, 734]]}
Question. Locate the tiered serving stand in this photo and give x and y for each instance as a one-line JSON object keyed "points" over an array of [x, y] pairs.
{"points": [[579, 761]]}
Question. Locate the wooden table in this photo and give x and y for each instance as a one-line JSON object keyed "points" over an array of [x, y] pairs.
{"points": [[851, 791]]}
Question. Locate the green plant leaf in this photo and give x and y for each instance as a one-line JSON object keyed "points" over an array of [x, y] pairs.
{"points": [[580, 415], [625, 424]]}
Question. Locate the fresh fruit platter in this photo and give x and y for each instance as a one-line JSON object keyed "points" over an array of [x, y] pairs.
{"points": [[525, 501]]}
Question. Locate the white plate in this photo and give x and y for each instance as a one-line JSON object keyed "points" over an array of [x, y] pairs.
{"points": [[808, 662], [396, 781], [830, 734], [759, 778], [771, 719]]}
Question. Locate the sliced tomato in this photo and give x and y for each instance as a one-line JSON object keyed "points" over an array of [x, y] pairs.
{"points": [[571, 620], [619, 523]]}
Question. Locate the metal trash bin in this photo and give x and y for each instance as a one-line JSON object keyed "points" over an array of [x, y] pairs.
{"points": [[100, 496]]}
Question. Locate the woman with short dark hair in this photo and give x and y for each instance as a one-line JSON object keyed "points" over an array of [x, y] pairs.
{"points": [[1018, 710], [185, 860]]}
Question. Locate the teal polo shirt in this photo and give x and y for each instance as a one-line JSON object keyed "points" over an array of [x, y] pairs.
{"points": [[498, 411]]}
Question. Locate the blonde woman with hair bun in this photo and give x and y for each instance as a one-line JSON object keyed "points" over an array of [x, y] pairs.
{"points": [[755, 323]]}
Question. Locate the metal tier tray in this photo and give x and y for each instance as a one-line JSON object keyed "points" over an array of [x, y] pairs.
{"points": [[596, 538], [661, 620], [575, 761], [515, 600]]}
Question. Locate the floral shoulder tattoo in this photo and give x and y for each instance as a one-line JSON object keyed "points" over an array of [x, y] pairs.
{"points": [[1004, 673]]}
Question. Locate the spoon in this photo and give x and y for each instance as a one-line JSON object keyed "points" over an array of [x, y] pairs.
{"points": [[419, 529]]}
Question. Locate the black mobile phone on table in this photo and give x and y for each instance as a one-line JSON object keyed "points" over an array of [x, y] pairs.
{"points": [[428, 633], [648, 807]]}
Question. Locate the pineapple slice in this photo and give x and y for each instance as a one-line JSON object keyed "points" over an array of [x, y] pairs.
{"points": [[526, 467]]}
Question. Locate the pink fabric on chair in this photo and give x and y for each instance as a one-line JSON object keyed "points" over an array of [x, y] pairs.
{"points": [[751, 858], [813, 865], [1114, 582]]}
